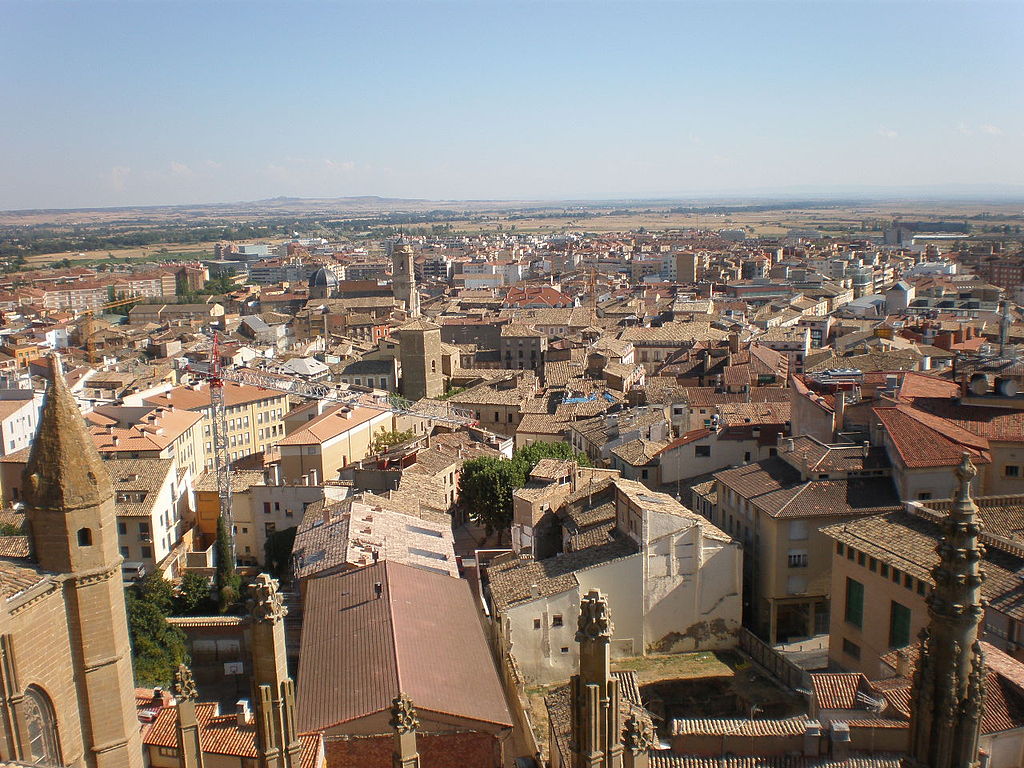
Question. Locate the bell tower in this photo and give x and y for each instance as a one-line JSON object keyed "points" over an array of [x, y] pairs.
{"points": [[403, 277], [949, 682], [73, 532]]}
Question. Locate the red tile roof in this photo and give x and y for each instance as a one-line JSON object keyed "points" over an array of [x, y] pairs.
{"points": [[221, 735]]}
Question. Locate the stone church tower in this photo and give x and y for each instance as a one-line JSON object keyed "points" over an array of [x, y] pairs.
{"points": [[594, 692], [420, 355], [73, 533], [403, 277], [949, 682], [277, 744]]}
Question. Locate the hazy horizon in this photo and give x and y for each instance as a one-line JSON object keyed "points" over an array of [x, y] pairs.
{"points": [[191, 103]]}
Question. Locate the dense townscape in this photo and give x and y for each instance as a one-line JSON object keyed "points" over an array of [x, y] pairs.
{"points": [[691, 498]]}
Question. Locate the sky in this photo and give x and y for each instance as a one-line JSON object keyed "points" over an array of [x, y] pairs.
{"points": [[144, 102]]}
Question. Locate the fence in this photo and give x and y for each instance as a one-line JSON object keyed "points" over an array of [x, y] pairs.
{"points": [[781, 668]]}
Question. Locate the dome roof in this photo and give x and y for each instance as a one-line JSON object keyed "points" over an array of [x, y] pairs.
{"points": [[323, 278]]}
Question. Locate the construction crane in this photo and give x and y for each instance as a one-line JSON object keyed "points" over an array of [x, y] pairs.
{"points": [[216, 376], [221, 460]]}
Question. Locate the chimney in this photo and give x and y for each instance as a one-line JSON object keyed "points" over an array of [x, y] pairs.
{"points": [[788, 444], [158, 694], [812, 739], [926, 363], [534, 590], [840, 741], [734, 342], [243, 715], [378, 590], [865, 449], [314, 477]]}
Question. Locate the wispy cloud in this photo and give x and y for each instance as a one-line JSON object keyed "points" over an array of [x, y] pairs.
{"points": [[986, 129], [887, 133], [179, 169]]}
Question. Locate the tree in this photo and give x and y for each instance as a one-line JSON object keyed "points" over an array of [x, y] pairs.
{"points": [[278, 550], [228, 581], [486, 484], [157, 647], [193, 596], [384, 440]]}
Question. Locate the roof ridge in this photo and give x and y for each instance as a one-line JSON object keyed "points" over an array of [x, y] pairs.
{"points": [[392, 628]]}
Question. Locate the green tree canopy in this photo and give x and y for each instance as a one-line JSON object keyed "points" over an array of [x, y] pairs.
{"points": [[486, 484], [157, 647], [193, 598], [228, 582]]}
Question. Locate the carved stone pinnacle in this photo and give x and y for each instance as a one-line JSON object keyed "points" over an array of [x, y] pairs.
{"points": [[266, 603], [595, 622], [184, 687], [403, 714]]}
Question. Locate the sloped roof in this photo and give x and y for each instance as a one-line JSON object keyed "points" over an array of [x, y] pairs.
{"points": [[421, 637]]}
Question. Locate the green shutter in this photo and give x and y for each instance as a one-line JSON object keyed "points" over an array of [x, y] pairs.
{"points": [[855, 602], [899, 626]]}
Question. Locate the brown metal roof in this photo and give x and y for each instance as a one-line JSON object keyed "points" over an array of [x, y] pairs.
{"points": [[422, 637]]}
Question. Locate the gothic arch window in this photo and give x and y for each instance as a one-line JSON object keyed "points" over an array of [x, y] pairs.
{"points": [[41, 726], [84, 537]]}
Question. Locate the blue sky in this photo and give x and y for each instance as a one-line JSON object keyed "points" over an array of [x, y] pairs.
{"points": [[149, 102]]}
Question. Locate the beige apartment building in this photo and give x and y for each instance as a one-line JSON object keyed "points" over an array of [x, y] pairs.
{"points": [[255, 416], [325, 443], [776, 508], [148, 432], [881, 574]]}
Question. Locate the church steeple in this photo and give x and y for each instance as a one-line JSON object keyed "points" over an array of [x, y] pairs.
{"points": [[67, 488], [73, 532], [949, 682]]}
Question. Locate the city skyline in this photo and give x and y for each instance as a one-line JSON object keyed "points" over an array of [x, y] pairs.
{"points": [[117, 104]]}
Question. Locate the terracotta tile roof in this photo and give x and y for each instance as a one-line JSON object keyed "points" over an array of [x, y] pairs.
{"points": [[519, 580], [685, 439], [1004, 696], [907, 541], [421, 637], [350, 533], [221, 735], [669, 759], [708, 397], [199, 398], [776, 488], [923, 442], [14, 546], [639, 452], [16, 577], [329, 425], [790, 726], [838, 690]]}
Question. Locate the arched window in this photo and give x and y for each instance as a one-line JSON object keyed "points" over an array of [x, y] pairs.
{"points": [[41, 725], [84, 537]]}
